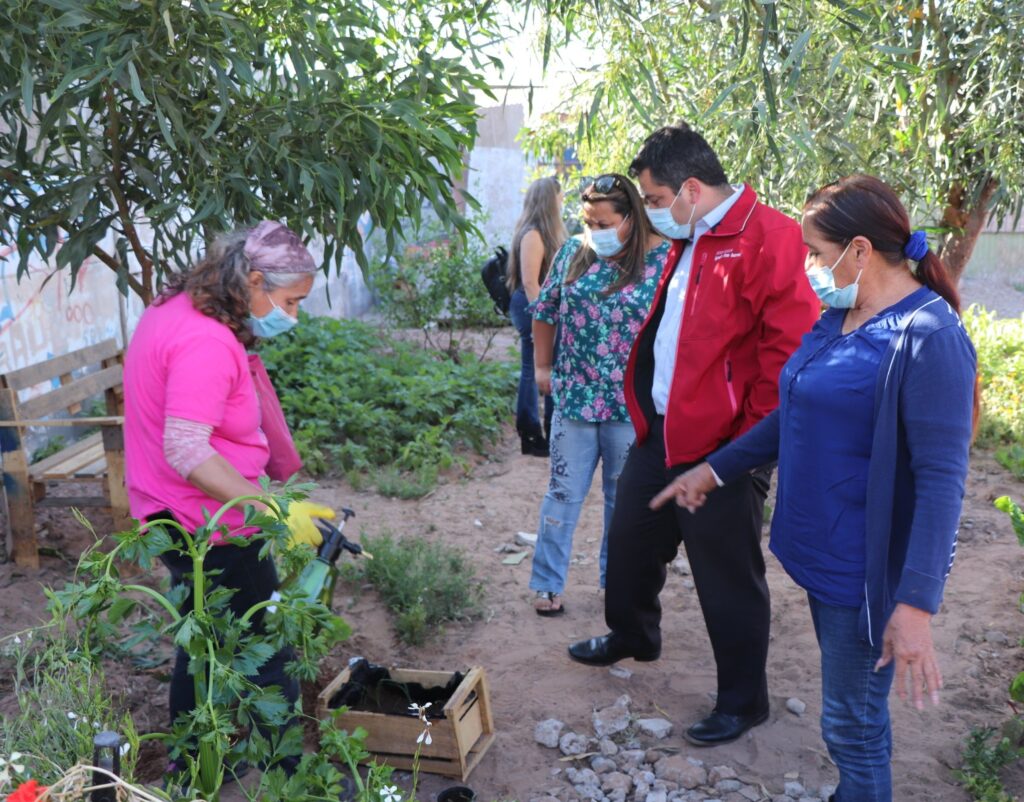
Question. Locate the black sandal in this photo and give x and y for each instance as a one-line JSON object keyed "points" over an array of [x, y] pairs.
{"points": [[551, 599]]}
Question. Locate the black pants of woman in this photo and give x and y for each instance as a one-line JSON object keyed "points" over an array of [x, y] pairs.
{"points": [[253, 580]]}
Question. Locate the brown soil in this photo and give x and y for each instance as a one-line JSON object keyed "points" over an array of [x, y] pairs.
{"points": [[532, 679]]}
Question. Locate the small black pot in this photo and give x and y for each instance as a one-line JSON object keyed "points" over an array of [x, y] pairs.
{"points": [[457, 793]]}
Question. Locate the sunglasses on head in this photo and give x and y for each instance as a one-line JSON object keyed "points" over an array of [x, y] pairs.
{"points": [[606, 183]]}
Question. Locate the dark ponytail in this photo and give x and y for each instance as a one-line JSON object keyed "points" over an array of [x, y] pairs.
{"points": [[933, 274]]}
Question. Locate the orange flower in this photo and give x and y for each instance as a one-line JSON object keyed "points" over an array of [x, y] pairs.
{"points": [[29, 791]]}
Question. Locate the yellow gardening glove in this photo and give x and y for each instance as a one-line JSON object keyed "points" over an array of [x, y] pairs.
{"points": [[300, 522]]}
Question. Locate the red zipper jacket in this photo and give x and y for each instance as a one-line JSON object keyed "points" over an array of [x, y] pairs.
{"points": [[747, 305]]}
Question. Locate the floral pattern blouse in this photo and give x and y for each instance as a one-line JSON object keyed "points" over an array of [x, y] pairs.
{"points": [[596, 332]]}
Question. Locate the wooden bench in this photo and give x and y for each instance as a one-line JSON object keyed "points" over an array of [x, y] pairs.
{"points": [[95, 458]]}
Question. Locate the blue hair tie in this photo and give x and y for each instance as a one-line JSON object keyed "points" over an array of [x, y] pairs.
{"points": [[917, 246]]}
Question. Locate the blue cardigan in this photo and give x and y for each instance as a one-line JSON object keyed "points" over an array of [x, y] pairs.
{"points": [[915, 484]]}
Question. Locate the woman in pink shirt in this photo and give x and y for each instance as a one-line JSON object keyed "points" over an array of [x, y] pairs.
{"points": [[193, 438]]}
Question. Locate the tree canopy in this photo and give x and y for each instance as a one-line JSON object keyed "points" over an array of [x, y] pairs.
{"points": [[161, 121], [929, 95]]}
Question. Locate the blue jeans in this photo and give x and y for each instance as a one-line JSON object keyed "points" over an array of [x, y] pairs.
{"points": [[576, 447], [527, 417], [854, 706]]}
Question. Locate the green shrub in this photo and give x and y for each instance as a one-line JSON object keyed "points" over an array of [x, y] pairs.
{"points": [[1000, 346], [425, 584], [982, 763], [362, 404], [436, 287]]}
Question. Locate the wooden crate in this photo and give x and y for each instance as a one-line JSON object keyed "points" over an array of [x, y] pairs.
{"points": [[458, 741]]}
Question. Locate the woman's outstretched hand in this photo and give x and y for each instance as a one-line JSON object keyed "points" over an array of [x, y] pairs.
{"points": [[908, 641], [690, 489]]}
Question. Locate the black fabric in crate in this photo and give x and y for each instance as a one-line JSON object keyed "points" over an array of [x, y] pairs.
{"points": [[371, 689]]}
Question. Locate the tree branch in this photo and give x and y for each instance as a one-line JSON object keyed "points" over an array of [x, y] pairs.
{"points": [[114, 265], [114, 132]]}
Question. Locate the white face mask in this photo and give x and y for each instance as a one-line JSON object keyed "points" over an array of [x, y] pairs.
{"points": [[823, 282], [665, 224], [605, 241]]}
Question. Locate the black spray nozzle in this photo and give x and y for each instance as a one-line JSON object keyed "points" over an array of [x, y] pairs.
{"points": [[335, 541]]}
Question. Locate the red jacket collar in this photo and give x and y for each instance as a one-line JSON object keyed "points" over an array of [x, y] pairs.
{"points": [[736, 218]]}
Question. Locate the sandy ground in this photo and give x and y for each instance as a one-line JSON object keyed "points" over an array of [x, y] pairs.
{"points": [[531, 678]]}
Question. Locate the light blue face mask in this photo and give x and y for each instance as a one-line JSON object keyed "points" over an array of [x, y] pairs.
{"points": [[605, 241], [275, 322], [823, 282], [665, 224]]}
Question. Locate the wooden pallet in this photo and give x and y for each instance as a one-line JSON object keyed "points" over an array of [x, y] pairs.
{"points": [[458, 741], [70, 380]]}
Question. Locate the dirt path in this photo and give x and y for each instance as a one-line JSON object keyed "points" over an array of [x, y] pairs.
{"points": [[532, 679]]}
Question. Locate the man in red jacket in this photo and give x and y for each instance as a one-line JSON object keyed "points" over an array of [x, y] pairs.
{"points": [[729, 309]]}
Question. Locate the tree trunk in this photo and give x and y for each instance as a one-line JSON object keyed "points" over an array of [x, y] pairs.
{"points": [[965, 225]]}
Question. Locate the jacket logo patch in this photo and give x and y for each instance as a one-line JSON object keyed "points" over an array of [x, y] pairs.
{"points": [[728, 253]]}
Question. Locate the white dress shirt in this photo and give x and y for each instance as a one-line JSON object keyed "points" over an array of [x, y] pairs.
{"points": [[667, 338]]}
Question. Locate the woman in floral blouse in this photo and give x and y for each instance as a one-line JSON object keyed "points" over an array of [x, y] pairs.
{"points": [[596, 296]]}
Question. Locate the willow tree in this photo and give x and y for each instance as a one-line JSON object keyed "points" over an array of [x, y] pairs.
{"points": [[928, 95], [132, 129]]}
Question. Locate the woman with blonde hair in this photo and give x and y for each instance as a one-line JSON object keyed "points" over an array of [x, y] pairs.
{"points": [[538, 235]]}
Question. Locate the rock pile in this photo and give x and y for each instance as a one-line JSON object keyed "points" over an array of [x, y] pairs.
{"points": [[624, 761]]}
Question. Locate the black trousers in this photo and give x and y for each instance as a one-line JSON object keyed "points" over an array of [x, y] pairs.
{"points": [[253, 580], [723, 545]]}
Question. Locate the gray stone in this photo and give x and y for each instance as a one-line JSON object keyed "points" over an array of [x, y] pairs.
{"points": [[655, 727], [608, 747], [620, 671], [631, 758], [545, 799], [653, 755], [681, 566], [610, 720], [751, 793], [794, 789], [602, 764], [997, 637], [796, 706], [727, 786], [657, 795], [640, 791], [677, 769], [587, 791], [782, 798], [624, 701], [826, 791], [808, 799], [572, 744], [548, 732], [618, 795], [616, 781], [648, 777], [688, 583], [721, 773]]}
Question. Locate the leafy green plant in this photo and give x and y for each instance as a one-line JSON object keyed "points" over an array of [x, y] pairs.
{"points": [[982, 763], [50, 447], [424, 583], [1000, 346], [435, 286], [223, 649], [62, 704], [1012, 458], [363, 404]]}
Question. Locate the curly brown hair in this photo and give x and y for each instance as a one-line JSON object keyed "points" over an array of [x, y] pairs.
{"points": [[219, 285]]}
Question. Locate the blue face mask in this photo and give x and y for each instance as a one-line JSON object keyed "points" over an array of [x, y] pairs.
{"points": [[823, 282], [665, 224], [275, 322], [605, 241]]}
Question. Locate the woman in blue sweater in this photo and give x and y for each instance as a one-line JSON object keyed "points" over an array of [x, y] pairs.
{"points": [[875, 418]]}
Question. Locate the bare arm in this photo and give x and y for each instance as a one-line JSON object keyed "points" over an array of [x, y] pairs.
{"points": [[531, 257], [543, 354]]}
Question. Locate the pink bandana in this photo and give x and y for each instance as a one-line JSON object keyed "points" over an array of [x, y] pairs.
{"points": [[274, 248]]}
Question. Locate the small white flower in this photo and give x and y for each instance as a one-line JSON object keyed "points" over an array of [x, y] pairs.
{"points": [[389, 793], [424, 737], [17, 640]]}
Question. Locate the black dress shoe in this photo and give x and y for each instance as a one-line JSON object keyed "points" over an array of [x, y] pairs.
{"points": [[721, 728], [607, 649]]}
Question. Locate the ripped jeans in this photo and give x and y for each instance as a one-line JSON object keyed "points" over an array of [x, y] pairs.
{"points": [[576, 446]]}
